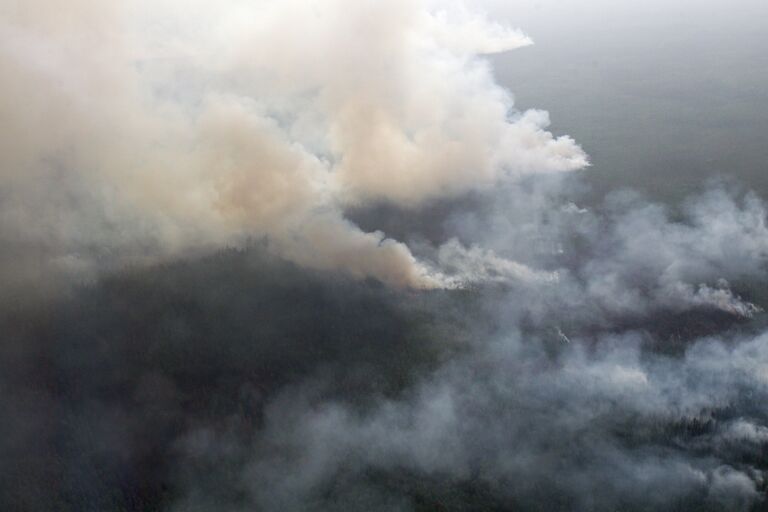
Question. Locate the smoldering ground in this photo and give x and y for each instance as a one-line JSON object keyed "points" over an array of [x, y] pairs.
{"points": [[500, 344]]}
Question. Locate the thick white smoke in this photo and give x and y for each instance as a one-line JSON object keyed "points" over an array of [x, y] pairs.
{"points": [[179, 125]]}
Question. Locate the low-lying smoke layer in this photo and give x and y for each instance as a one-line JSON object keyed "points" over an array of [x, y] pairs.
{"points": [[542, 356], [240, 382]]}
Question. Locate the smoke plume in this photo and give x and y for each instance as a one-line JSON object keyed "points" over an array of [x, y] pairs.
{"points": [[204, 313], [189, 125]]}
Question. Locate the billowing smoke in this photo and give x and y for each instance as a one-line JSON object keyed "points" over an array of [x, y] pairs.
{"points": [[184, 125], [204, 184]]}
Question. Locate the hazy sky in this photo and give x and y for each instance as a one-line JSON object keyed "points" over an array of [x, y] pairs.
{"points": [[572, 17], [660, 94]]}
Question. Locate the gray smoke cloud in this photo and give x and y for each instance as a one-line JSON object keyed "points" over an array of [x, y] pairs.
{"points": [[585, 429], [628, 256], [546, 354], [611, 380]]}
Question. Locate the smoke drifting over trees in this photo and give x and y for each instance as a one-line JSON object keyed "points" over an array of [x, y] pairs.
{"points": [[201, 314]]}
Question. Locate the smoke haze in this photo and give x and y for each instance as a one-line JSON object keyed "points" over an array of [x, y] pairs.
{"points": [[311, 256]]}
